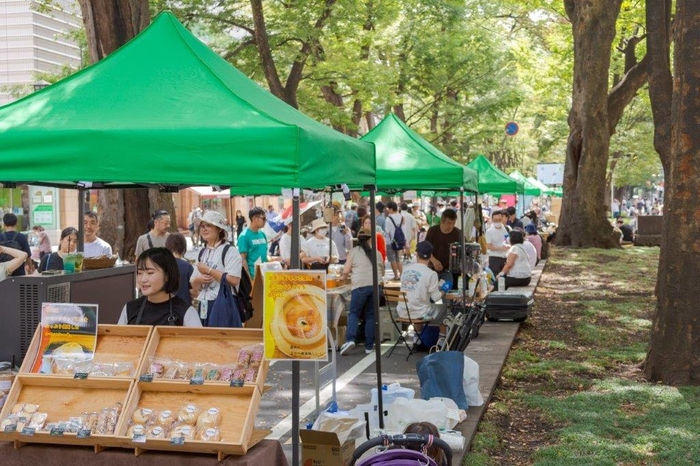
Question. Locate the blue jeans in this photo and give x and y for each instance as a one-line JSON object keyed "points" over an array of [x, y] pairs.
{"points": [[361, 299]]}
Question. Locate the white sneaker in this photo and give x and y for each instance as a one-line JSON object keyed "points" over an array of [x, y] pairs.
{"points": [[369, 351], [347, 346]]}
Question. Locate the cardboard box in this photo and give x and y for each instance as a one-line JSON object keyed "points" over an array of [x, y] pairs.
{"points": [[324, 449]]}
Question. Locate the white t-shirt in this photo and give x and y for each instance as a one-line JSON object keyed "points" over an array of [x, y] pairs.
{"points": [[212, 258], [496, 237], [531, 253], [420, 284], [521, 268], [389, 227], [286, 246], [99, 247], [409, 225], [319, 248]]}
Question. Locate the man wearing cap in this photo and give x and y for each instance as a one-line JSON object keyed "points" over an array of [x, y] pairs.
{"points": [[158, 234], [253, 243], [440, 238], [513, 221], [320, 250], [423, 289]]}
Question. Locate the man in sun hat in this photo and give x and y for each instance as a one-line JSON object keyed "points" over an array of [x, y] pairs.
{"points": [[318, 245]]}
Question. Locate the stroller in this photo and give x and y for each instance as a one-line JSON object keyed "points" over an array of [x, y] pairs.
{"points": [[393, 452]]}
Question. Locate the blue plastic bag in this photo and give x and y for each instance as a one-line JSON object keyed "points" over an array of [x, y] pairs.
{"points": [[441, 374], [224, 312]]}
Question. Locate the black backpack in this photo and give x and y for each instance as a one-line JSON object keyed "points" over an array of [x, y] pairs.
{"points": [[6, 242], [398, 243], [243, 291]]}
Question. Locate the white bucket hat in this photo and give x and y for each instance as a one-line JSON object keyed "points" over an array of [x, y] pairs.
{"points": [[214, 218], [318, 223]]}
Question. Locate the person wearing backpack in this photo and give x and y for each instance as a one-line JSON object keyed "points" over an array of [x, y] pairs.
{"points": [[215, 259], [10, 260], [10, 236], [395, 238]]}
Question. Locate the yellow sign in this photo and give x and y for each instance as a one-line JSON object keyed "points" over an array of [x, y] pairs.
{"points": [[295, 315]]}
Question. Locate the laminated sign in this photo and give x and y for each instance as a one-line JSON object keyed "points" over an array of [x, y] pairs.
{"points": [[295, 315]]}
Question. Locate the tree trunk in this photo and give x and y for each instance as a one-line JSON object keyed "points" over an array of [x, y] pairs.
{"points": [[110, 209], [675, 338], [584, 220]]}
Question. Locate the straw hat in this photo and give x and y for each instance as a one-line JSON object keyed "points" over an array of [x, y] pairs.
{"points": [[316, 224], [363, 233]]}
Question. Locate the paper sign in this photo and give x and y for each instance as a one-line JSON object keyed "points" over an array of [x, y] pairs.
{"points": [[295, 315]]}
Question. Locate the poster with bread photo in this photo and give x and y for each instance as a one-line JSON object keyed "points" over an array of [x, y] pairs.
{"points": [[68, 337], [295, 315]]}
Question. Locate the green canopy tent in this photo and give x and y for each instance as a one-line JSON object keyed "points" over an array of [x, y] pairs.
{"points": [[166, 110], [543, 187], [405, 160], [528, 188], [492, 180]]}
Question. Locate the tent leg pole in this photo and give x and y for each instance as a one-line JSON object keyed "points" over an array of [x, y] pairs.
{"points": [[375, 298], [81, 215], [296, 366]]}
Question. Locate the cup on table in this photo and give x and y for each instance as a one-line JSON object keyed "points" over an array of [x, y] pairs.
{"points": [[79, 261], [69, 263]]}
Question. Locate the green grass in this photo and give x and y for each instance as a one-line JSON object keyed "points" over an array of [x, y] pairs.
{"points": [[582, 382]]}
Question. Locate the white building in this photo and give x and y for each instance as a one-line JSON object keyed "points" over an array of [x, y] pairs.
{"points": [[33, 42]]}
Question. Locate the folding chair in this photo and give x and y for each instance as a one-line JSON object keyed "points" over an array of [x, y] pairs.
{"points": [[395, 297]]}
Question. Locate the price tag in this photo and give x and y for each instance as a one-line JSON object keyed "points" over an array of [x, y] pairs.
{"points": [[236, 383], [84, 433], [146, 378], [81, 375], [28, 431], [11, 428], [197, 380], [57, 431], [177, 441], [139, 438]]}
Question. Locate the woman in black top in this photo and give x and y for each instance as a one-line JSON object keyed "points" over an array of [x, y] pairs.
{"points": [[240, 223], [158, 278], [67, 244]]}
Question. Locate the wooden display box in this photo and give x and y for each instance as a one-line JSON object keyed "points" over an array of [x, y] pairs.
{"points": [[115, 343], [202, 345], [62, 398], [238, 409]]}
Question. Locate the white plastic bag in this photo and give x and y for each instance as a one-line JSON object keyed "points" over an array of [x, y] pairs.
{"points": [[346, 426], [391, 393], [471, 382], [454, 414], [454, 439], [403, 412]]}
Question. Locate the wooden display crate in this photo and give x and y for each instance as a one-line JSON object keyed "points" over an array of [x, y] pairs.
{"points": [[238, 409], [115, 343], [202, 345], [62, 398]]}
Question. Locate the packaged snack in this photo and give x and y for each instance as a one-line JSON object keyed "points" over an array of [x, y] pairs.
{"points": [[73, 425], [123, 369], [239, 374], [257, 354], [226, 374], [244, 355], [210, 434], [213, 372], [166, 419], [188, 414], [38, 420], [172, 370], [136, 429], [200, 371], [251, 374], [209, 418], [157, 367], [101, 370], [12, 419], [156, 432], [63, 366], [185, 430], [18, 408], [143, 416], [111, 422], [30, 408], [186, 372], [49, 426]]}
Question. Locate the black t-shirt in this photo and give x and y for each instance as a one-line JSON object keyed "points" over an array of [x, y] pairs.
{"points": [[185, 269], [51, 262], [21, 239], [156, 313], [441, 243], [627, 232]]}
